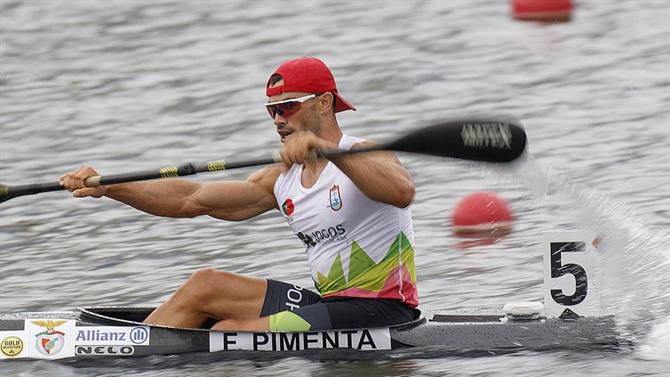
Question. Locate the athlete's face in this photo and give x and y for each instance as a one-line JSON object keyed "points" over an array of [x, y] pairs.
{"points": [[294, 111]]}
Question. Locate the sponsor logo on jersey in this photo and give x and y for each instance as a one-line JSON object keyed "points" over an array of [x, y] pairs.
{"points": [[325, 235], [335, 198], [51, 341], [11, 346], [287, 207]]}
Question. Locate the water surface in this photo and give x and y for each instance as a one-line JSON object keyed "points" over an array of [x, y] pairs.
{"points": [[125, 85]]}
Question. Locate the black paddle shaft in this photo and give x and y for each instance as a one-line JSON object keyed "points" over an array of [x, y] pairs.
{"points": [[489, 138]]}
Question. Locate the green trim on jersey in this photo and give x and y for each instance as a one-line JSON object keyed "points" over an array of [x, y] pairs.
{"points": [[359, 261], [364, 273]]}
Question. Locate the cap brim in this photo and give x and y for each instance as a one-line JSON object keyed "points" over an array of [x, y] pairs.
{"points": [[341, 104]]}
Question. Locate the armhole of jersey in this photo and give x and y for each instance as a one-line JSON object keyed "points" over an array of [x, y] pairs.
{"points": [[281, 181]]}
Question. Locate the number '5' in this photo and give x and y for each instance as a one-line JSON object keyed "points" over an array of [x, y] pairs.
{"points": [[558, 270]]}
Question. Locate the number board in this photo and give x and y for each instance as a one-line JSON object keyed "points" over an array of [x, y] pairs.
{"points": [[570, 265]]}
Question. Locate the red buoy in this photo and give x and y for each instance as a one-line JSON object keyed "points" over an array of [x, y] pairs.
{"points": [[542, 10], [481, 214]]}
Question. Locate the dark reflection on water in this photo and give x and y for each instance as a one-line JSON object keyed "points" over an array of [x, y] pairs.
{"points": [[128, 85]]}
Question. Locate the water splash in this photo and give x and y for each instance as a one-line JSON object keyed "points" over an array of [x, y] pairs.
{"points": [[657, 344], [634, 263]]}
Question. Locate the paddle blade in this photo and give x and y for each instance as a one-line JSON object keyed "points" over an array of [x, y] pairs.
{"points": [[476, 138]]}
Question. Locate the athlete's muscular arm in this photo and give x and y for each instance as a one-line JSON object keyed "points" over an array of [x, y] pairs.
{"points": [[235, 200], [379, 175]]}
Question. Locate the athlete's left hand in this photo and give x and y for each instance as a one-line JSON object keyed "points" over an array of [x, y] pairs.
{"points": [[303, 147]]}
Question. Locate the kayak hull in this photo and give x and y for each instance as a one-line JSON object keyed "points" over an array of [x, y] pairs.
{"points": [[119, 332]]}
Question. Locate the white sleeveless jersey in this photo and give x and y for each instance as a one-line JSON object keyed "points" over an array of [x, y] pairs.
{"points": [[356, 247]]}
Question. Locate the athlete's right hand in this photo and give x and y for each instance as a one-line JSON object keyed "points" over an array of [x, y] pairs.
{"points": [[74, 182]]}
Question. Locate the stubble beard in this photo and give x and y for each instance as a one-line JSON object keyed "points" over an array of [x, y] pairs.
{"points": [[314, 122]]}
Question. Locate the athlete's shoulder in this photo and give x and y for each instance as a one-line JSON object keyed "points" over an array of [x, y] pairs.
{"points": [[267, 176]]}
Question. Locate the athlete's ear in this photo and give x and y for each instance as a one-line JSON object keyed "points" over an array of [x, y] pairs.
{"points": [[326, 102]]}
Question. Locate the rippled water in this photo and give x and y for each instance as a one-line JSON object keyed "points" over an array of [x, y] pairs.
{"points": [[125, 85]]}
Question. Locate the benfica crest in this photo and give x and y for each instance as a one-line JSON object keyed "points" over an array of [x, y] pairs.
{"points": [[335, 198], [49, 342]]}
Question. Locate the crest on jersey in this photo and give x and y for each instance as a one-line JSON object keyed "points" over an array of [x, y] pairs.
{"points": [[335, 198]]}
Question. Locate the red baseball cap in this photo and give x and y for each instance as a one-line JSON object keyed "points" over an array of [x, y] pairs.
{"points": [[309, 75]]}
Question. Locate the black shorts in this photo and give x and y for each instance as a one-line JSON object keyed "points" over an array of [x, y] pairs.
{"points": [[317, 313]]}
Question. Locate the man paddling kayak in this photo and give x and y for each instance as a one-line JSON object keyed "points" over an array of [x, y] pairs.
{"points": [[352, 212]]}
